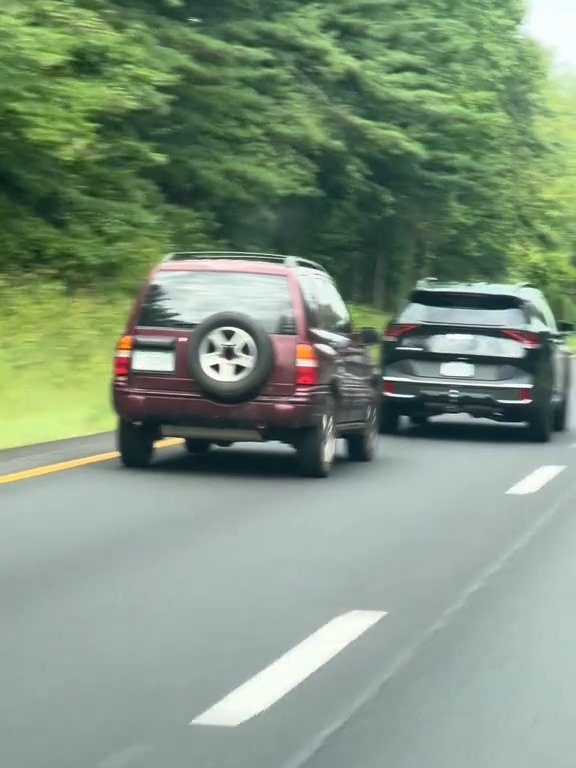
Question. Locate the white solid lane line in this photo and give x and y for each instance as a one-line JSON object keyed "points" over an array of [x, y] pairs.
{"points": [[536, 480], [282, 676]]}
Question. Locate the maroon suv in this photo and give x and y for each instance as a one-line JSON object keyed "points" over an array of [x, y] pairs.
{"points": [[223, 348]]}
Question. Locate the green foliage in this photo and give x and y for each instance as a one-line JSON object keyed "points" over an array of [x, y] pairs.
{"points": [[390, 139], [55, 361]]}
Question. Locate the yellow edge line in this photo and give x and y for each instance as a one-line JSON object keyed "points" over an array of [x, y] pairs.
{"points": [[62, 466]]}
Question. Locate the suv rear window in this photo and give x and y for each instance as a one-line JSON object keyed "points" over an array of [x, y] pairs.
{"points": [[185, 299], [463, 309]]}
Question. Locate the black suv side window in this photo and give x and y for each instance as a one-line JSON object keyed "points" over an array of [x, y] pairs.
{"points": [[332, 312]]}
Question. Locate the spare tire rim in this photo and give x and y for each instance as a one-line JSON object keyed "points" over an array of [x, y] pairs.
{"points": [[329, 442], [228, 355]]}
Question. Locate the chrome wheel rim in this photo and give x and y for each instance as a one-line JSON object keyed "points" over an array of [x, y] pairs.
{"points": [[228, 355], [329, 441], [372, 429]]}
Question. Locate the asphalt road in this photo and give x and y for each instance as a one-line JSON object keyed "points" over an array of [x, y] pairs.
{"points": [[224, 613]]}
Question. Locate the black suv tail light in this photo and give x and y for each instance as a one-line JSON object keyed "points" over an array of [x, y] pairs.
{"points": [[526, 338], [395, 331]]}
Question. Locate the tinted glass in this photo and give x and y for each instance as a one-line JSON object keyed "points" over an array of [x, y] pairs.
{"points": [[185, 299], [332, 313], [463, 309], [309, 286]]}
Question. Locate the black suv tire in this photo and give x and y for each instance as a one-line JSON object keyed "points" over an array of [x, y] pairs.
{"points": [[561, 417], [317, 446], [540, 424], [389, 420], [197, 447], [135, 445], [362, 446], [249, 386]]}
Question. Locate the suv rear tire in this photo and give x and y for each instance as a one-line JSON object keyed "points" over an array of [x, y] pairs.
{"points": [[540, 424], [362, 446], [135, 445], [317, 446]]}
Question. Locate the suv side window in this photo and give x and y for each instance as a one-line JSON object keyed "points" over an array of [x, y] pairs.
{"points": [[308, 284], [332, 312]]}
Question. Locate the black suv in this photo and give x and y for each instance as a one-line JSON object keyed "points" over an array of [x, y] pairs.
{"points": [[491, 351]]}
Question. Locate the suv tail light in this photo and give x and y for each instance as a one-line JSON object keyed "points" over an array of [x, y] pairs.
{"points": [[307, 370], [526, 338], [123, 356], [395, 332]]}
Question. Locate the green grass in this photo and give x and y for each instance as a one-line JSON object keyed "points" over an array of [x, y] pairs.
{"points": [[55, 360], [368, 317]]}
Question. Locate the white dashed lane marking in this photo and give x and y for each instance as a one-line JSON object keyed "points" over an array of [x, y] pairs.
{"points": [[282, 676], [536, 480]]}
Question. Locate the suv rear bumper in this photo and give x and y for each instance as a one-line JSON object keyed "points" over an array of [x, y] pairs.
{"points": [[495, 400], [266, 417]]}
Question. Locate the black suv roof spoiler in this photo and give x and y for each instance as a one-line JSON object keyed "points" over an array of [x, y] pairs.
{"points": [[513, 289], [273, 258]]}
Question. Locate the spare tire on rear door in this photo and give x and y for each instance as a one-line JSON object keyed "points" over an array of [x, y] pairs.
{"points": [[231, 357]]}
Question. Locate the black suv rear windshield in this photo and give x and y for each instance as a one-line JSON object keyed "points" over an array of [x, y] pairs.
{"points": [[185, 299], [463, 309]]}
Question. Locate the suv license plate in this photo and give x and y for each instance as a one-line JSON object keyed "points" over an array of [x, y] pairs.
{"points": [[148, 361], [457, 370]]}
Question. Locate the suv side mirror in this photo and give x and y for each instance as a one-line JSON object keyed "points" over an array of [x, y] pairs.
{"points": [[564, 327], [369, 336]]}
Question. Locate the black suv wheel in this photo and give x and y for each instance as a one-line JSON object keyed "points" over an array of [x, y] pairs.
{"points": [[135, 445], [197, 447], [389, 420], [540, 424]]}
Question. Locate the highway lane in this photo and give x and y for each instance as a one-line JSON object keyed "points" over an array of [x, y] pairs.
{"points": [[132, 603]]}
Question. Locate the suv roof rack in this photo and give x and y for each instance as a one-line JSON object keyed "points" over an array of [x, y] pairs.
{"points": [[274, 258]]}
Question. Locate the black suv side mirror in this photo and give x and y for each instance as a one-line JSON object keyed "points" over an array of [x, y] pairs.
{"points": [[369, 336], [565, 327]]}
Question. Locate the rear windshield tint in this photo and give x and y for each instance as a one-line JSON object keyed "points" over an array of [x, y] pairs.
{"points": [[185, 299], [463, 309]]}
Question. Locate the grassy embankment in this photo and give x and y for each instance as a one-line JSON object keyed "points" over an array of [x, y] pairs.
{"points": [[55, 361]]}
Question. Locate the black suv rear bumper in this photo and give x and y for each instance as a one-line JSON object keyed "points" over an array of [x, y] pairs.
{"points": [[492, 400]]}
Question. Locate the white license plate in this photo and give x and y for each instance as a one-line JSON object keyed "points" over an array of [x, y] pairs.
{"points": [[152, 361], [457, 370]]}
